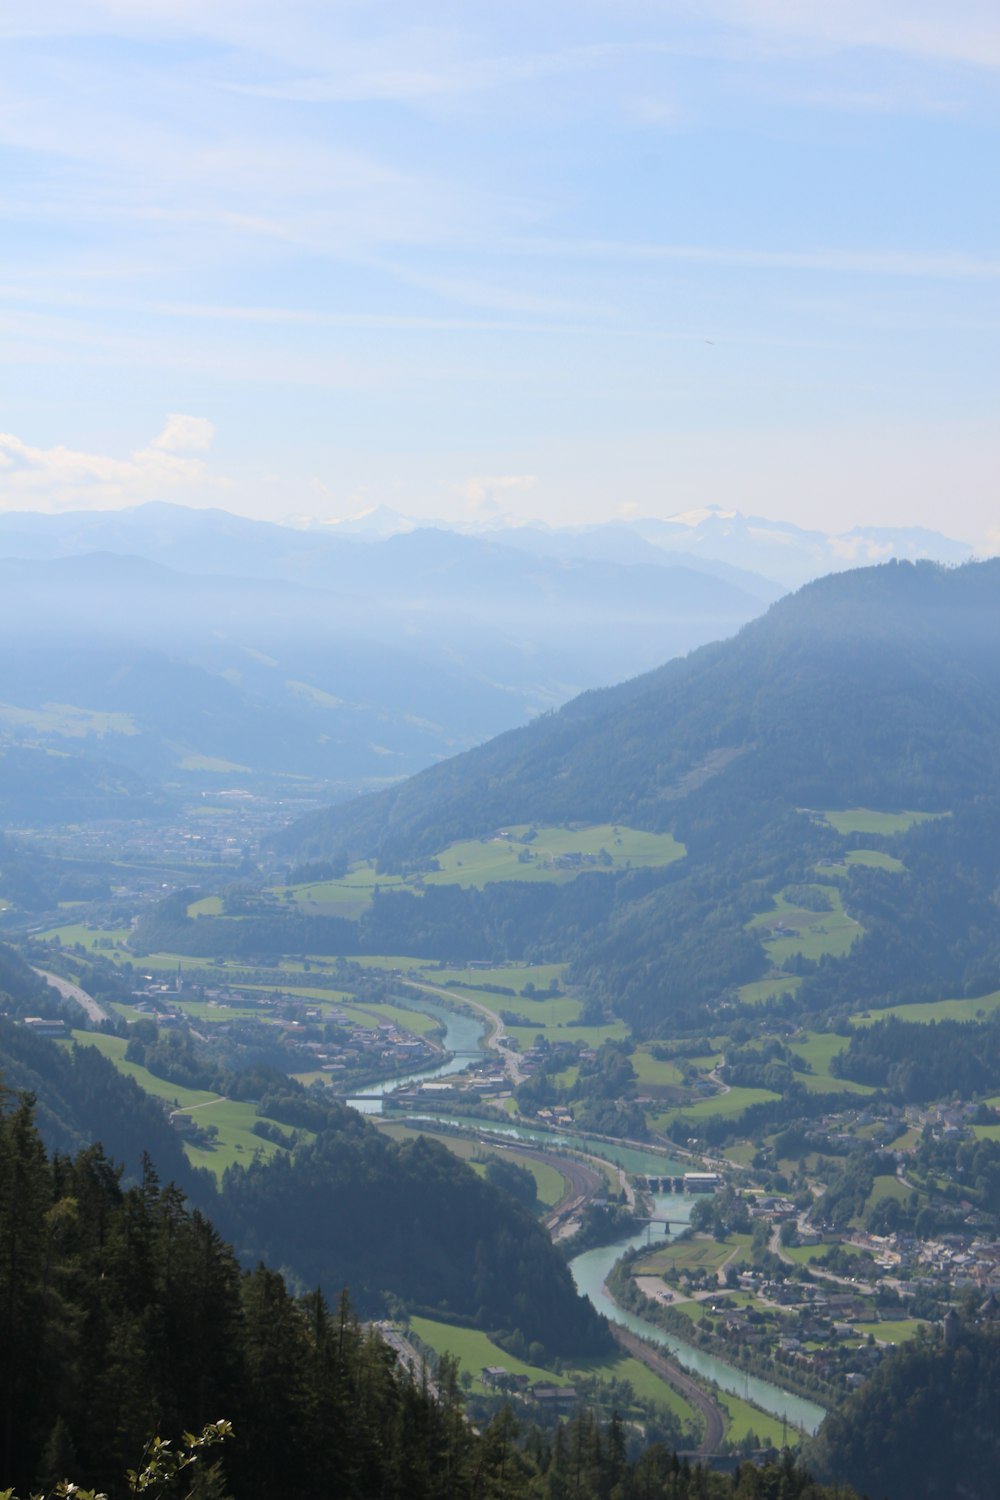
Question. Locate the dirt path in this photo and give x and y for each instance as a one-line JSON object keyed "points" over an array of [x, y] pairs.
{"points": [[702, 1402]]}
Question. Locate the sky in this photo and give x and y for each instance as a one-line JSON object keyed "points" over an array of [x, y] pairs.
{"points": [[570, 261]]}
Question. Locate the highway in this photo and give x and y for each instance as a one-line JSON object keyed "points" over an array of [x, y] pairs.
{"points": [[71, 991]]}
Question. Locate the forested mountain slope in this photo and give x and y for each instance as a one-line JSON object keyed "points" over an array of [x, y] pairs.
{"points": [[409, 1222], [878, 687]]}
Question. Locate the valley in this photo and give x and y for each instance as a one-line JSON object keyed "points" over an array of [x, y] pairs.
{"points": [[719, 1039]]}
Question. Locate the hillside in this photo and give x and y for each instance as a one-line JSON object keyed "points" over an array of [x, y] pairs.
{"points": [[376, 661], [876, 689], [879, 687]]}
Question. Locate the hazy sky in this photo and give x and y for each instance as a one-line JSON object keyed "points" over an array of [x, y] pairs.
{"points": [[567, 258]]}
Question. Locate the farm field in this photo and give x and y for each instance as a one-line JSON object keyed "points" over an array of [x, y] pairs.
{"points": [[899, 1332], [509, 856], [789, 930], [818, 1048], [651, 1072], [235, 1144], [475, 1352], [975, 1009], [233, 1118], [95, 940], [700, 1252], [759, 991], [874, 859], [566, 1031], [744, 1418], [867, 820], [511, 976], [803, 1254], [726, 1106]]}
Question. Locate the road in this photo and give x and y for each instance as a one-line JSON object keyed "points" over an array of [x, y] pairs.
{"points": [[498, 1036], [702, 1402], [408, 1357], [73, 992]]}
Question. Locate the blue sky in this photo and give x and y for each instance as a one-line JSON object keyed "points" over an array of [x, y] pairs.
{"points": [[566, 260]]}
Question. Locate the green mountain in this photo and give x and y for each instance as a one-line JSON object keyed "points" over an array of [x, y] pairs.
{"points": [[877, 689], [407, 1222]]}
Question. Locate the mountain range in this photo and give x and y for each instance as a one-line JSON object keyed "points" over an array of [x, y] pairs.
{"points": [[878, 688]]}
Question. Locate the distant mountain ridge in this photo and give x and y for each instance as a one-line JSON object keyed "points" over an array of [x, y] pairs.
{"points": [[880, 685], [274, 653]]}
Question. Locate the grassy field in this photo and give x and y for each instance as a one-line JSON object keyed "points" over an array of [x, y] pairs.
{"points": [[759, 991], [866, 820], [818, 1048], [587, 1036], [552, 854], [235, 1142], [651, 1072], [976, 1009], [893, 1333], [886, 1187], [789, 930], [803, 1254], [701, 1253], [744, 1418], [208, 906], [93, 939], [475, 1352], [234, 1119], [874, 859], [68, 720], [510, 856], [720, 1106], [507, 976]]}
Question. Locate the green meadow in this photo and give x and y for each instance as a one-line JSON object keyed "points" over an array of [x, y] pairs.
{"points": [[976, 1009], [790, 930], [819, 1048], [699, 1253], [475, 1352], [518, 853], [899, 1332], [874, 859], [867, 820], [760, 991]]}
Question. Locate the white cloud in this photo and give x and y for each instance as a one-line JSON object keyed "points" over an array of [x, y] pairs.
{"points": [[483, 491], [183, 433], [58, 479]]}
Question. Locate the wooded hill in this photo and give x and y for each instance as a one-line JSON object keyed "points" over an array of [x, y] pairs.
{"points": [[875, 688], [878, 688], [400, 1224]]}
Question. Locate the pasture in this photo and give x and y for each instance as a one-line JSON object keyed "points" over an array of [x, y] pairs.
{"points": [[760, 991], [789, 930], [868, 820], [560, 854], [874, 859], [699, 1253], [976, 1009], [475, 1352], [898, 1332], [818, 1048]]}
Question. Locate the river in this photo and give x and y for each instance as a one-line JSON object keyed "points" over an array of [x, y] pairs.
{"points": [[463, 1035], [590, 1271]]}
